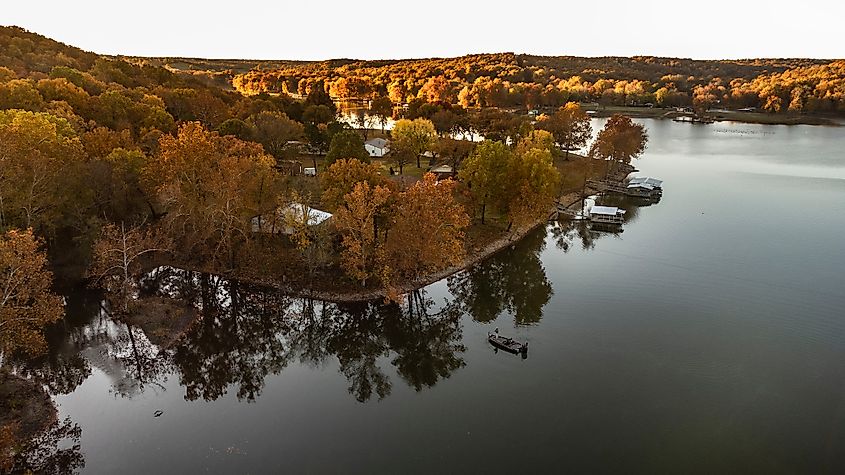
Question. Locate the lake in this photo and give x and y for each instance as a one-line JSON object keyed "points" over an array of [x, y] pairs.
{"points": [[709, 336]]}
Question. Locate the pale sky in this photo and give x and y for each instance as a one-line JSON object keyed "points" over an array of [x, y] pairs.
{"points": [[379, 29]]}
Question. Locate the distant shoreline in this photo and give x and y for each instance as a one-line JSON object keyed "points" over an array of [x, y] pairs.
{"points": [[764, 118]]}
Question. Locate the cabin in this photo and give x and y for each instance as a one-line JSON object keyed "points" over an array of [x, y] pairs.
{"points": [[606, 215], [279, 221], [377, 147], [644, 187], [442, 172]]}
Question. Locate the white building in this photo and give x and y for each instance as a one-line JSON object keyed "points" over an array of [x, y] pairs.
{"points": [[377, 147], [606, 215], [281, 220], [644, 187]]}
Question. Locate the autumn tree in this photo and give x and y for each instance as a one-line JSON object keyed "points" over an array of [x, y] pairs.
{"points": [[235, 127], [409, 139], [27, 303], [569, 125], [317, 96], [484, 172], [620, 140], [317, 114], [37, 151], [347, 144], [437, 89], [357, 220], [209, 187], [342, 176], [531, 187], [118, 254], [426, 232], [454, 152], [274, 130], [117, 189]]}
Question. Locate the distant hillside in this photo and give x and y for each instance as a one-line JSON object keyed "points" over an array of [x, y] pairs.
{"points": [[483, 80]]}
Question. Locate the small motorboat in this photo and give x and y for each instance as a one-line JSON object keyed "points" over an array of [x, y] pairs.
{"points": [[507, 344]]}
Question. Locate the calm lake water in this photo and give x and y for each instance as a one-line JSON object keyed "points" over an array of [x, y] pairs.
{"points": [[709, 336]]}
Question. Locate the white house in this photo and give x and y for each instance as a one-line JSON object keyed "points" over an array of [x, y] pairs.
{"points": [[377, 147], [279, 221]]}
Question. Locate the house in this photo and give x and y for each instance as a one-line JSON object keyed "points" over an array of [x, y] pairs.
{"points": [[442, 172], [280, 220], [606, 215], [377, 147]]}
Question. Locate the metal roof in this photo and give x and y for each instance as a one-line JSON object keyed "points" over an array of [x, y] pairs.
{"points": [[442, 169], [645, 182], [377, 142], [606, 210]]}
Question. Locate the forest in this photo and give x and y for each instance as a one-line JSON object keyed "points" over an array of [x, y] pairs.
{"points": [[522, 81]]}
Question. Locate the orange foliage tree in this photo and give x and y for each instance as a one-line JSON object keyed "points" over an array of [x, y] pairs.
{"points": [[426, 231], [342, 176]]}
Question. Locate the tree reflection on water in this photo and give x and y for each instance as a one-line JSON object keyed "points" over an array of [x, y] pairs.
{"points": [[246, 333], [513, 282]]}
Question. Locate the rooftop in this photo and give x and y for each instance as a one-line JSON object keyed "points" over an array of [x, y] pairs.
{"points": [[377, 142], [645, 182], [606, 210]]}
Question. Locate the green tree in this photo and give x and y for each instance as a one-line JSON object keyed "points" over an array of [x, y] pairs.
{"points": [[382, 109], [236, 128], [37, 155], [484, 172], [410, 138], [274, 130], [347, 144]]}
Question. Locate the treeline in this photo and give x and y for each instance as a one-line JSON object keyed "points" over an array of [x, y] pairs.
{"points": [[508, 80]]}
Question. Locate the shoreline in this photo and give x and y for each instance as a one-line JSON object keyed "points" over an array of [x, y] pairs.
{"points": [[719, 115], [472, 258]]}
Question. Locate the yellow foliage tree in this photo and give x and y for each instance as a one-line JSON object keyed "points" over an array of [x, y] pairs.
{"points": [[357, 221], [27, 304]]}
